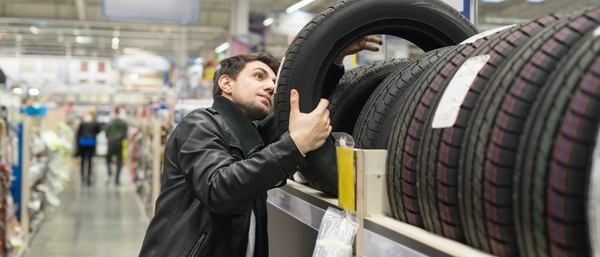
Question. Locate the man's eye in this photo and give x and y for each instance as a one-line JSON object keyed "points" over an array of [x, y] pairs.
{"points": [[258, 76]]}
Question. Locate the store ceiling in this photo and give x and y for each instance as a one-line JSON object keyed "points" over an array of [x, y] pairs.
{"points": [[58, 23], [52, 26]]}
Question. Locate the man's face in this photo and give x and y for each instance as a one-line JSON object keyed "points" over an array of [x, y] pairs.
{"points": [[253, 90]]}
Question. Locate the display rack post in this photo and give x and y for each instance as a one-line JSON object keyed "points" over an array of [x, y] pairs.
{"points": [[370, 173], [25, 190], [156, 154]]}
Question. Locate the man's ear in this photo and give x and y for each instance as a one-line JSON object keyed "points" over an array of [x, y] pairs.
{"points": [[225, 84]]}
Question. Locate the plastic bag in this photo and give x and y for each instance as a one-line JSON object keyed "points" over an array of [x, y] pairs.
{"points": [[336, 234]]}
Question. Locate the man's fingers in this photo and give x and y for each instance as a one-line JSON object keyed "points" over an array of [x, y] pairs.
{"points": [[294, 99], [371, 48], [322, 106], [374, 39], [326, 114]]}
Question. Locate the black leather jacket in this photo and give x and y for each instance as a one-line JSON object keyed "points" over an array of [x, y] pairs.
{"points": [[216, 171]]}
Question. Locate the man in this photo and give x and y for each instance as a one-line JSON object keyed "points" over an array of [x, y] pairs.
{"points": [[218, 167], [116, 132]]}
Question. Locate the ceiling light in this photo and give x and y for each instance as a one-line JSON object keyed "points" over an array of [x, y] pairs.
{"points": [[34, 91], [115, 40], [83, 40], [222, 48], [115, 46], [268, 21], [116, 33], [17, 91], [297, 6], [34, 30], [76, 32]]}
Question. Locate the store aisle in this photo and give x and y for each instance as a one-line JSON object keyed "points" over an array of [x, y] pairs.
{"points": [[101, 220]]}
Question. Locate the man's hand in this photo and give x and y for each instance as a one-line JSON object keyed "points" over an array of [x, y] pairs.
{"points": [[308, 130], [363, 43]]}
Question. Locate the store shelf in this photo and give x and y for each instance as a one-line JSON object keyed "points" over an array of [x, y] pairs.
{"points": [[378, 234], [305, 204], [384, 236]]}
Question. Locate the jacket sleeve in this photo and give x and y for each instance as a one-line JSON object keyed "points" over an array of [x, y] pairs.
{"points": [[225, 182]]}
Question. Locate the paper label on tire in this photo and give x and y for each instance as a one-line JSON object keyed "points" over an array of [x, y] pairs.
{"points": [[593, 211], [486, 33], [279, 73], [454, 95]]}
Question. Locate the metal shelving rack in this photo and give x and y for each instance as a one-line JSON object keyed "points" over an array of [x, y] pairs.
{"points": [[295, 212]]}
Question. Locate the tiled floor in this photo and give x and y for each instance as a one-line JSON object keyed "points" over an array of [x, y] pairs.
{"points": [[98, 220]]}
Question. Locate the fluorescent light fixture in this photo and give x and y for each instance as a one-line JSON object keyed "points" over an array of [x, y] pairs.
{"points": [[268, 21], [34, 91], [83, 40], [115, 46], [222, 48], [34, 30], [17, 91], [133, 76], [297, 6], [115, 40]]}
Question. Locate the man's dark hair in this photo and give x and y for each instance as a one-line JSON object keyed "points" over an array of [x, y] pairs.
{"points": [[233, 65]]}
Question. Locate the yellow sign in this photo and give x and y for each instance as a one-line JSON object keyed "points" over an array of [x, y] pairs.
{"points": [[346, 178]]}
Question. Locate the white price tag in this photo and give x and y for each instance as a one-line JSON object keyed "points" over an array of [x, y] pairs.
{"points": [[449, 106], [486, 33]]}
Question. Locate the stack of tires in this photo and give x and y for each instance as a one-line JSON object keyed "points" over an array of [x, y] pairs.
{"points": [[492, 140]]}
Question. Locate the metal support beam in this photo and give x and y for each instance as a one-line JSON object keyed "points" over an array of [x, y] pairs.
{"points": [[80, 9], [133, 25], [238, 23]]}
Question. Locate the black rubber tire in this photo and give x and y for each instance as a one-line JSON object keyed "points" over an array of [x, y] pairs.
{"points": [[440, 148], [428, 24], [382, 106], [402, 152], [556, 155], [379, 111], [490, 151], [321, 172], [355, 87]]}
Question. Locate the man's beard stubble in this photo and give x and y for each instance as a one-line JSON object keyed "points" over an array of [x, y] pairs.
{"points": [[255, 111]]}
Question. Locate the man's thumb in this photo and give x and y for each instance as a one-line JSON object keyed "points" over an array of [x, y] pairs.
{"points": [[294, 99]]}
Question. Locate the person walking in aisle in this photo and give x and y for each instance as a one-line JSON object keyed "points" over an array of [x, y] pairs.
{"points": [[218, 166], [116, 132], [86, 146]]}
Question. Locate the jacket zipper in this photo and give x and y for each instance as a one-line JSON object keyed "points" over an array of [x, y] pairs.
{"points": [[197, 245]]}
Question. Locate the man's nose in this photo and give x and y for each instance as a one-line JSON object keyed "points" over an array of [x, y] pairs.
{"points": [[269, 87]]}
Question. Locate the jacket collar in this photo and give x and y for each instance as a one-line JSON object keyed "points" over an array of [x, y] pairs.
{"points": [[242, 127]]}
